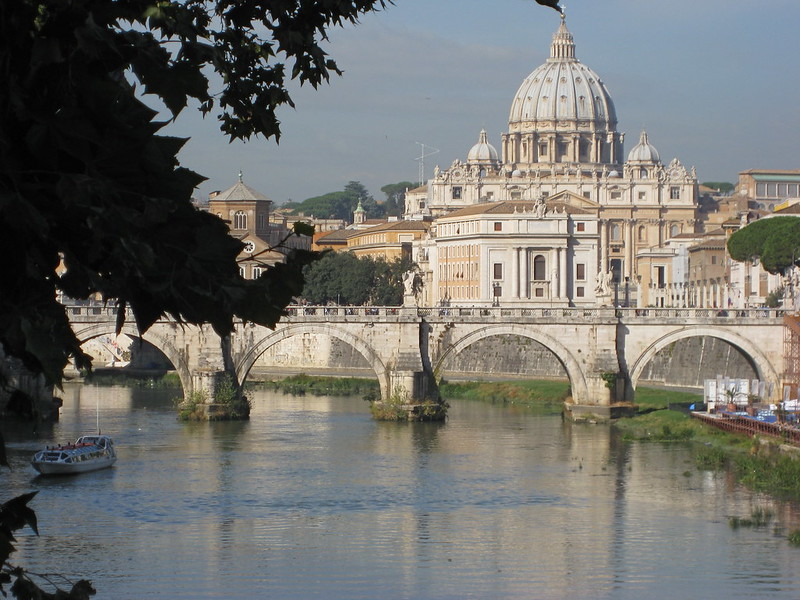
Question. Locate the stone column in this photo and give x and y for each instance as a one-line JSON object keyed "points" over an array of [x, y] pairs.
{"points": [[515, 273], [525, 274], [562, 271]]}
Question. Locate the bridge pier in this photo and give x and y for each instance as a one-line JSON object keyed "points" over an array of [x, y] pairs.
{"points": [[215, 396], [413, 394]]}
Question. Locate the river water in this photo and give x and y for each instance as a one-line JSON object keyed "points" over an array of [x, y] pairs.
{"points": [[313, 499]]}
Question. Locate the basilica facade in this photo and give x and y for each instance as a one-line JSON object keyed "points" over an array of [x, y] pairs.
{"points": [[561, 215]]}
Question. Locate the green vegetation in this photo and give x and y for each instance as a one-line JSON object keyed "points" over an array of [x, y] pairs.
{"points": [[230, 403], [774, 241], [300, 385], [339, 205], [344, 278], [760, 517], [724, 187], [532, 394], [106, 378], [398, 408]]}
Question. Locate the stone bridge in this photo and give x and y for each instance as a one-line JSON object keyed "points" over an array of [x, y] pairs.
{"points": [[407, 347]]}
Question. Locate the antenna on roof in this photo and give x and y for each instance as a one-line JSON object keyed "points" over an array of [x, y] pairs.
{"points": [[421, 160]]}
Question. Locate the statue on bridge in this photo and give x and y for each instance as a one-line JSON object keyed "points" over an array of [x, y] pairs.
{"points": [[602, 288], [412, 287]]}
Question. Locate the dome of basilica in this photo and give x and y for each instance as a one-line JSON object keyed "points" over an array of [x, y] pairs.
{"points": [[644, 151], [562, 89], [483, 152]]}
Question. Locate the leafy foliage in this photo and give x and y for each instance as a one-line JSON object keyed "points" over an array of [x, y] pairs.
{"points": [[339, 205], [93, 200], [723, 186], [775, 241], [396, 197], [344, 278], [16, 514]]}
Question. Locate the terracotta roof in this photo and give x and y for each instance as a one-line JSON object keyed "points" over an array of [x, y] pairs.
{"points": [[337, 235], [238, 193], [715, 244], [397, 225]]}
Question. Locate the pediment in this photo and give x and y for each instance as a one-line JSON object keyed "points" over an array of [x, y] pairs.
{"points": [[572, 201]]}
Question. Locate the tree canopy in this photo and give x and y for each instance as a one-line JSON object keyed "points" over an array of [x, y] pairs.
{"points": [[396, 197], [339, 205], [723, 186], [94, 200], [344, 278], [774, 241]]}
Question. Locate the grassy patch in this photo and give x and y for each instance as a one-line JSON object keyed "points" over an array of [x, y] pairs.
{"points": [[302, 384], [550, 394], [661, 425], [106, 378]]}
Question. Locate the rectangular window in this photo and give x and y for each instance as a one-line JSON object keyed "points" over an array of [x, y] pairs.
{"points": [[457, 192], [580, 272], [579, 292], [498, 270], [713, 260], [674, 193], [642, 195], [498, 291], [616, 195], [498, 227], [587, 195], [539, 292], [580, 226]]}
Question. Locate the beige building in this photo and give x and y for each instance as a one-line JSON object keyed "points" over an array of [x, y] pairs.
{"points": [[769, 190], [562, 149], [391, 240]]}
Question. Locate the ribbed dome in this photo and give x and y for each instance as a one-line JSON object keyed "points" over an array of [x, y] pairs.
{"points": [[562, 88], [644, 151], [483, 152]]}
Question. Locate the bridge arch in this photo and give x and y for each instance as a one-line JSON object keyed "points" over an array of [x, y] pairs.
{"points": [[763, 367], [246, 362], [158, 336], [577, 377]]}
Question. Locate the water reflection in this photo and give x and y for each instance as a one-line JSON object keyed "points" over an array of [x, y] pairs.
{"points": [[312, 498]]}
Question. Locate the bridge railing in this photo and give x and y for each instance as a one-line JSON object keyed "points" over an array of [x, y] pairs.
{"points": [[99, 311], [663, 314]]}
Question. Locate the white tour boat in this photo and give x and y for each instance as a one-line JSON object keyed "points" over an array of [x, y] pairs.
{"points": [[88, 453]]}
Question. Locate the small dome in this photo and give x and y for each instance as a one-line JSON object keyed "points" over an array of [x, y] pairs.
{"points": [[644, 151], [482, 152], [614, 174], [516, 173]]}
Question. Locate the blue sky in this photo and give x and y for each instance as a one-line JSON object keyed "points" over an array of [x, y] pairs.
{"points": [[716, 83]]}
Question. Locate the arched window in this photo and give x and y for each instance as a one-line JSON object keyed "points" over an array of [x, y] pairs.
{"points": [[539, 268], [642, 234], [240, 220], [616, 232], [673, 230]]}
